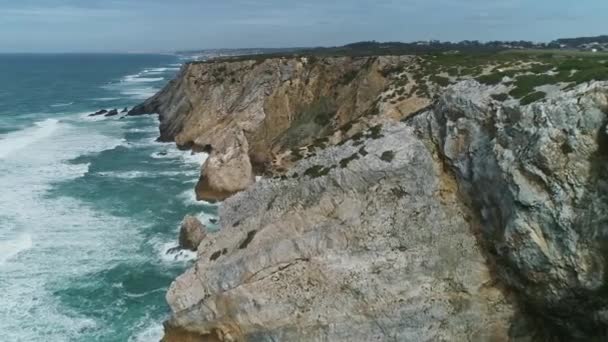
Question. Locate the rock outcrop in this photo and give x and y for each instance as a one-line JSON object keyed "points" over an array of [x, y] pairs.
{"points": [[112, 112], [472, 221], [352, 246], [191, 233], [99, 112], [461, 218], [227, 170], [537, 178], [268, 107]]}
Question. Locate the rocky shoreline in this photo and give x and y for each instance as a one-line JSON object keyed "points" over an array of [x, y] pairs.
{"points": [[386, 213]]}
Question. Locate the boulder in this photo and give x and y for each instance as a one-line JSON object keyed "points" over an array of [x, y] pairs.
{"points": [[125, 110], [192, 233], [226, 171]]}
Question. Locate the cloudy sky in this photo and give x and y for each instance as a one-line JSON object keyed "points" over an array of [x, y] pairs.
{"points": [[168, 25]]}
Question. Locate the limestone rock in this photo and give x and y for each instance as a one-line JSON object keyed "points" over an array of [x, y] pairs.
{"points": [[227, 171], [350, 247], [537, 176], [192, 233]]}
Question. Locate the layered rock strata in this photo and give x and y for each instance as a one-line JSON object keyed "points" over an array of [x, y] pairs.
{"points": [[470, 220]]}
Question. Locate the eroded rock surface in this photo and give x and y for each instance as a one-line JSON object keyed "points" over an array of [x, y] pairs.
{"points": [[269, 107], [537, 176], [192, 233], [472, 221], [350, 247]]}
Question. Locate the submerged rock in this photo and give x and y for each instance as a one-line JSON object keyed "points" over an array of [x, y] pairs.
{"points": [[113, 112], [192, 233], [125, 110], [100, 112]]}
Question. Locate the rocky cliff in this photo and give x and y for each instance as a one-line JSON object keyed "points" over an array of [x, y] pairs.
{"points": [[247, 113], [443, 215]]}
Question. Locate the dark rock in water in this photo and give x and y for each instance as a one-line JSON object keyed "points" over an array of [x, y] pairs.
{"points": [[162, 153], [173, 250], [100, 112], [113, 112], [214, 221], [192, 233], [125, 110]]}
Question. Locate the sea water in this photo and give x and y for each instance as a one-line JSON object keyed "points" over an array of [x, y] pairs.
{"points": [[89, 206]]}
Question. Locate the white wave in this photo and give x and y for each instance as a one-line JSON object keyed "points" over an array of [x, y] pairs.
{"points": [[11, 248], [139, 93], [210, 221], [158, 70], [140, 295], [62, 104], [155, 70], [140, 174], [151, 129], [148, 332], [71, 238], [169, 252], [138, 79], [195, 158], [188, 197], [106, 98], [16, 141], [186, 156]]}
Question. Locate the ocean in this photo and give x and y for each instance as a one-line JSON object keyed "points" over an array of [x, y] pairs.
{"points": [[89, 206]]}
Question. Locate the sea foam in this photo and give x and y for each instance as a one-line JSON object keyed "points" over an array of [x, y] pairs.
{"points": [[12, 247], [16, 141]]}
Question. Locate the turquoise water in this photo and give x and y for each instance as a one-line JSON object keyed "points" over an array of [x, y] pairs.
{"points": [[88, 206]]}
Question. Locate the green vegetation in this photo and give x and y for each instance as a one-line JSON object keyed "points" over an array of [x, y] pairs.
{"points": [[344, 162], [491, 79], [320, 144], [536, 96], [248, 239], [500, 97], [349, 77], [346, 127], [395, 69], [317, 171], [440, 80], [312, 121], [296, 154], [399, 192], [388, 156], [324, 119], [374, 132]]}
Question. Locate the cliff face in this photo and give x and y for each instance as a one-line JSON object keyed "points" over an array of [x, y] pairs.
{"points": [[468, 220], [536, 176], [254, 110], [277, 103], [366, 241]]}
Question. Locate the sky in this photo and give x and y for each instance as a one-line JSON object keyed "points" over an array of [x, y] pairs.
{"points": [[170, 25]]}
